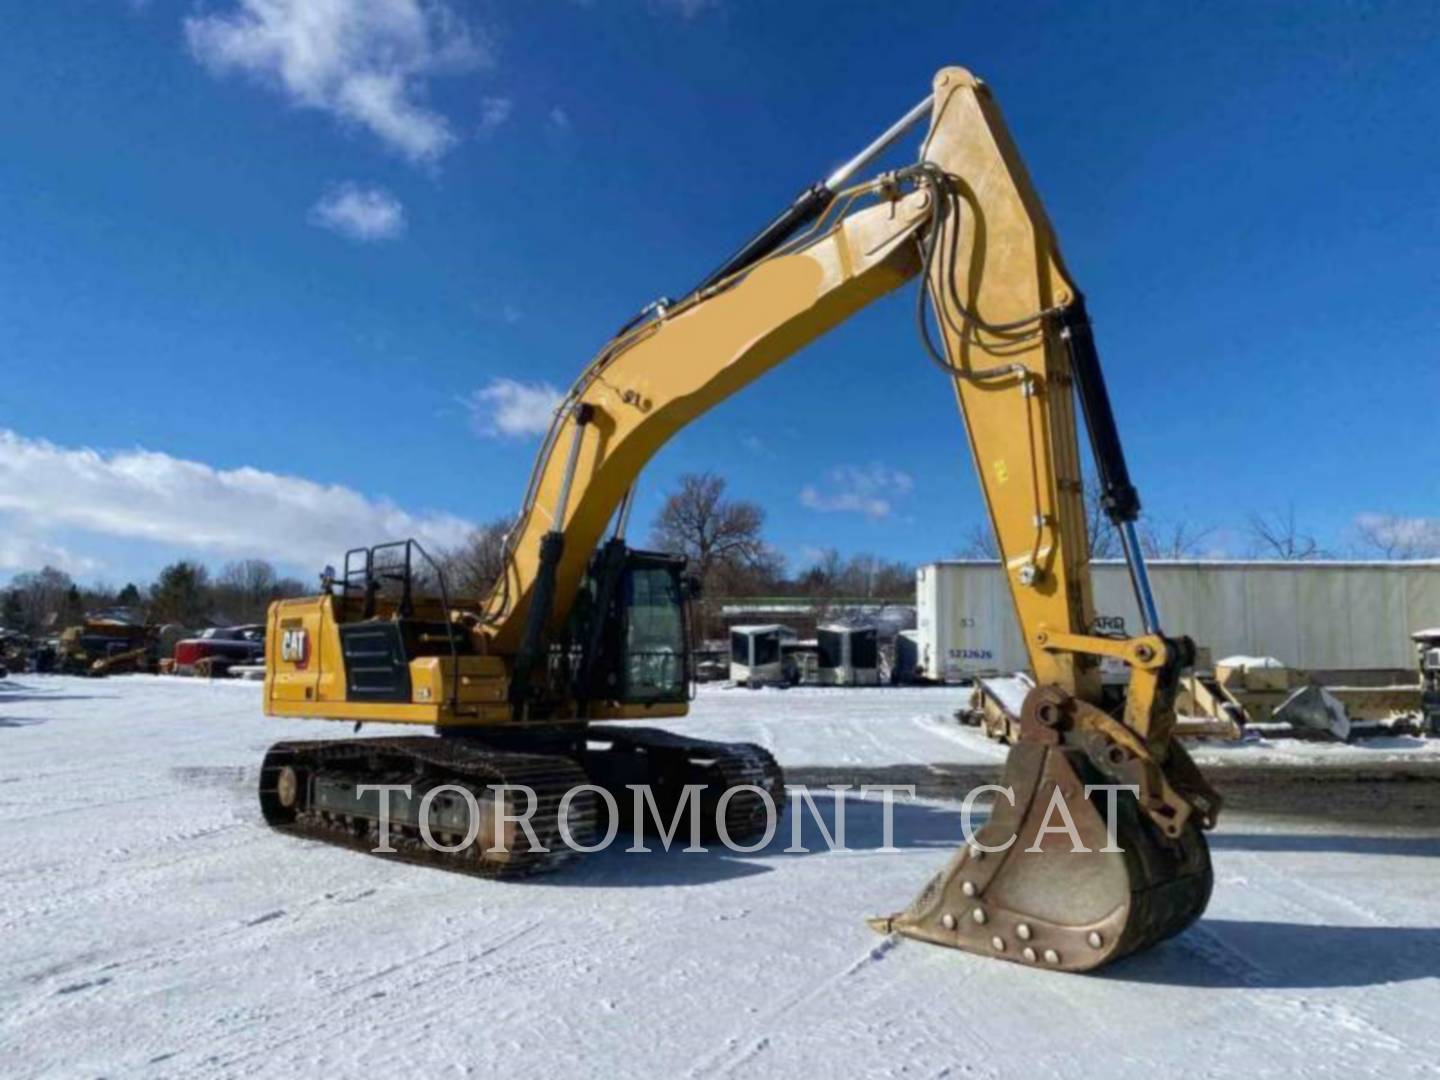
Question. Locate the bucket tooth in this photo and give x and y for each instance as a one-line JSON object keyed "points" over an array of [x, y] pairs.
{"points": [[1025, 891]]}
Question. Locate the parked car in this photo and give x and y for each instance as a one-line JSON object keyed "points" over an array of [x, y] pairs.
{"points": [[220, 647]]}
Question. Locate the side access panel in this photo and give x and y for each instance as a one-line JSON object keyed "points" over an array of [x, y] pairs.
{"points": [[376, 668]]}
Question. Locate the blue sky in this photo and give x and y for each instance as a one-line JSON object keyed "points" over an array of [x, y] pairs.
{"points": [[267, 270]]}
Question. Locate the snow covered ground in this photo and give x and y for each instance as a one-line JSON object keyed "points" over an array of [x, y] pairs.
{"points": [[149, 924], [891, 725]]}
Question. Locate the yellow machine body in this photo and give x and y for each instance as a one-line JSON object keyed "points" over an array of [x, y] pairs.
{"points": [[1014, 343], [305, 676]]}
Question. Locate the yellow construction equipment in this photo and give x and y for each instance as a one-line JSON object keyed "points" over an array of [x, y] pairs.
{"points": [[580, 628], [109, 642]]}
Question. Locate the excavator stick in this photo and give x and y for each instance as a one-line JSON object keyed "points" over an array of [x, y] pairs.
{"points": [[1093, 849]]}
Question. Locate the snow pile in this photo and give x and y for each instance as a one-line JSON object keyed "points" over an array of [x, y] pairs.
{"points": [[1010, 690]]}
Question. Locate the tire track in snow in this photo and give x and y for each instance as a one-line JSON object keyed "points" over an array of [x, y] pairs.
{"points": [[104, 885], [411, 1008], [430, 993], [1293, 1008], [171, 953], [739, 1050]]}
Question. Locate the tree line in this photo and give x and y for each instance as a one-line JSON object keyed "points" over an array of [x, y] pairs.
{"points": [[722, 539], [184, 592], [1274, 535]]}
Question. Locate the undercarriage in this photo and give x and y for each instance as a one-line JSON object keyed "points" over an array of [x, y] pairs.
{"points": [[510, 804]]}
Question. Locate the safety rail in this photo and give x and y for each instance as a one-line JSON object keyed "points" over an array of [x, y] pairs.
{"points": [[361, 575]]}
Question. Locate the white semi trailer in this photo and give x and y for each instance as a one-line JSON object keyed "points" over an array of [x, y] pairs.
{"points": [[1311, 615]]}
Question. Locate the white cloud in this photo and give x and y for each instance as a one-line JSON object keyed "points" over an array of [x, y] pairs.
{"points": [[508, 408], [365, 62], [365, 214], [560, 119], [1399, 537], [494, 111], [850, 489], [22, 552], [146, 495]]}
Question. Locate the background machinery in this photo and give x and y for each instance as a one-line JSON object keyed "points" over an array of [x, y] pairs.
{"points": [[108, 642], [1427, 642], [526, 687]]}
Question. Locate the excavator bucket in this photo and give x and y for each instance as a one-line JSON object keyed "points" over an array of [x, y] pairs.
{"points": [[1060, 878]]}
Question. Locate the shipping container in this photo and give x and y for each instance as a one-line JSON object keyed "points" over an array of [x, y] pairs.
{"points": [[1309, 615]]}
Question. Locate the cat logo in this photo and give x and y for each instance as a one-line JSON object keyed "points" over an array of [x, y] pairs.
{"points": [[295, 647]]}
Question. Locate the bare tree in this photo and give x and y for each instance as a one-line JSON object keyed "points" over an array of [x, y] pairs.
{"points": [[1104, 541], [822, 577], [473, 568], [1179, 540], [763, 576], [43, 597], [1276, 535], [288, 586], [720, 539], [711, 531], [980, 543], [870, 577], [1385, 537], [244, 589], [12, 611], [1103, 537], [253, 577], [832, 579]]}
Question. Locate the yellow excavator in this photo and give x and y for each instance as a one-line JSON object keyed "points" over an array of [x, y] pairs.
{"points": [[581, 629]]}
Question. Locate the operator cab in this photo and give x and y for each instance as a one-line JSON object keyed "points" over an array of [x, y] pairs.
{"points": [[631, 623]]}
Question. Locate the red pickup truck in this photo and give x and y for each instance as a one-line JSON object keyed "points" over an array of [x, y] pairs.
{"points": [[227, 644]]}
